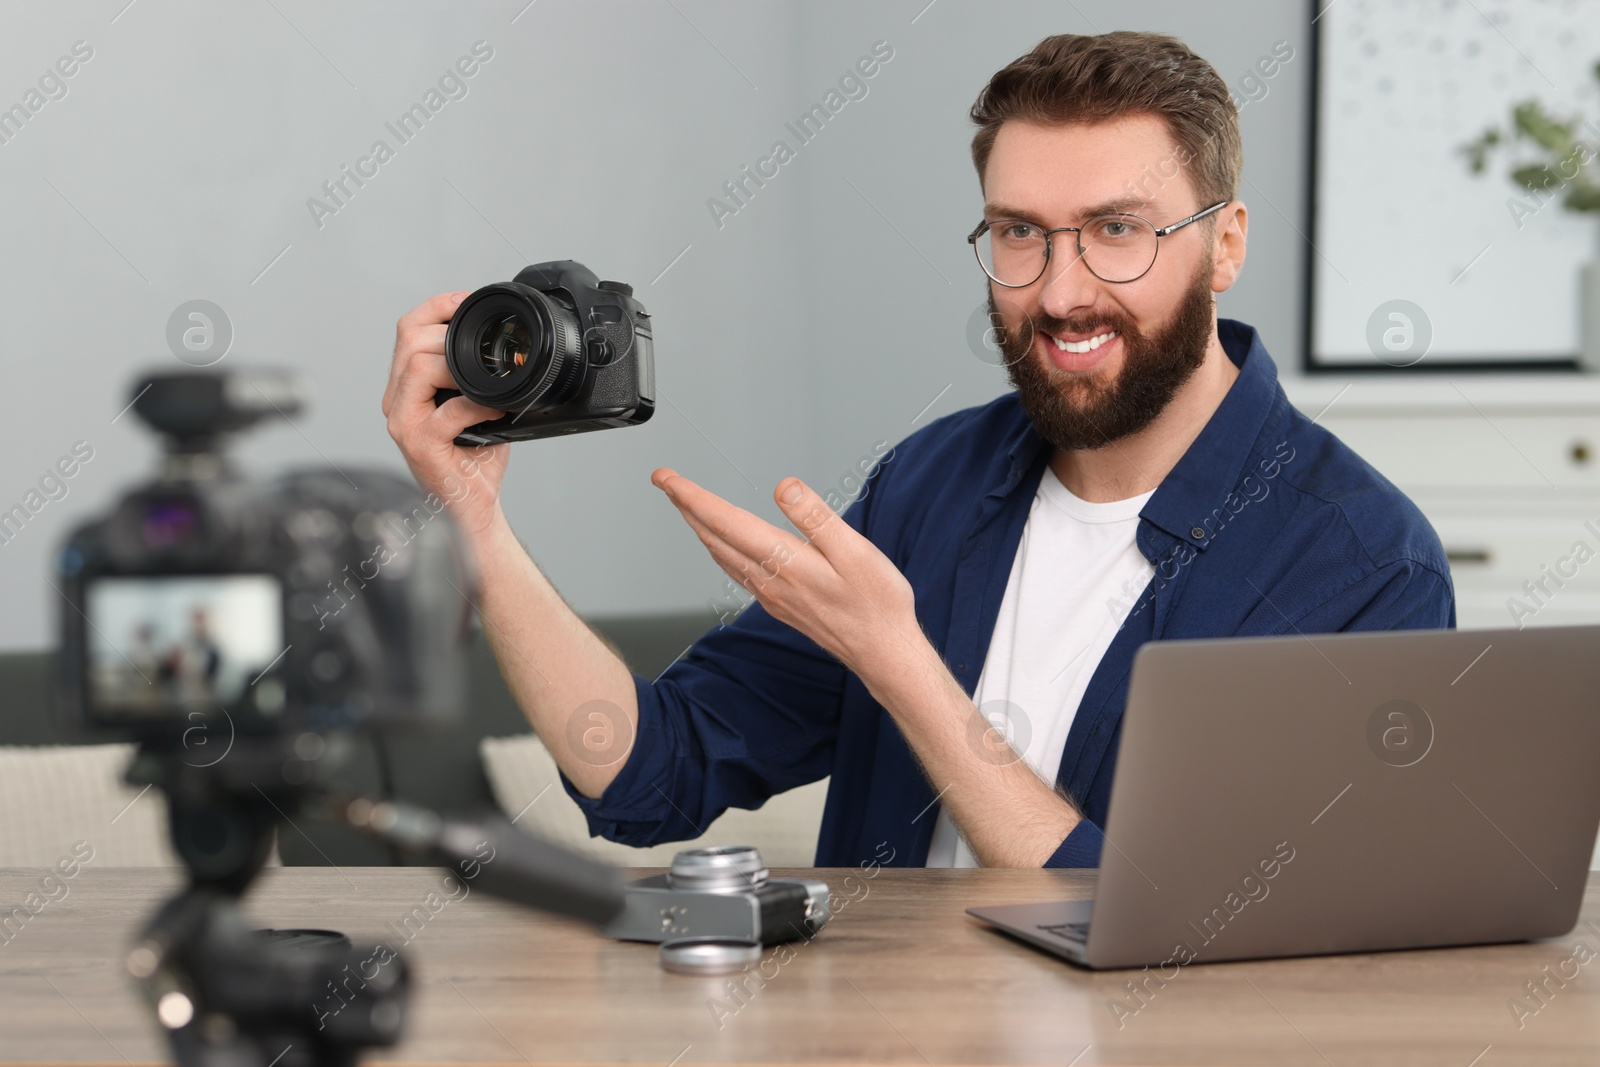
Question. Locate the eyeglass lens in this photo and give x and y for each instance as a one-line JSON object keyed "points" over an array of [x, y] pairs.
{"points": [[1117, 248]]}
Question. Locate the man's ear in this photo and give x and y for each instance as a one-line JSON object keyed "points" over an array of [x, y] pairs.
{"points": [[1227, 250]]}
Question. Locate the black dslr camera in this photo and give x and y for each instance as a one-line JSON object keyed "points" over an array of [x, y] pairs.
{"points": [[207, 604], [557, 349]]}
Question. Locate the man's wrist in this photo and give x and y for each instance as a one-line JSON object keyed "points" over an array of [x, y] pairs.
{"points": [[494, 544], [905, 672]]}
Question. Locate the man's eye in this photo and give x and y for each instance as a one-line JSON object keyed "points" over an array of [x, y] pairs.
{"points": [[1018, 231]]}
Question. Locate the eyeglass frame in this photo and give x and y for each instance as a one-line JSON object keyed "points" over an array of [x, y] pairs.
{"points": [[1160, 232]]}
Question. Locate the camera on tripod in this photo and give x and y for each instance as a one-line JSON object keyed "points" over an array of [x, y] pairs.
{"points": [[193, 624], [195, 603]]}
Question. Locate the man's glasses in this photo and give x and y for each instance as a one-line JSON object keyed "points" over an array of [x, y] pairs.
{"points": [[1115, 248]]}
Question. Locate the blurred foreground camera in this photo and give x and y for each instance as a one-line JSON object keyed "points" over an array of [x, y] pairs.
{"points": [[557, 349], [327, 599], [242, 632]]}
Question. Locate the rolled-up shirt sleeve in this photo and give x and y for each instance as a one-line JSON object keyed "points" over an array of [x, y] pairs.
{"points": [[751, 710], [1081, 847]]}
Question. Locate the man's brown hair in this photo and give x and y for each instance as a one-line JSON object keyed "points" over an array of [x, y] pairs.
{"points": [[1073, 78]]}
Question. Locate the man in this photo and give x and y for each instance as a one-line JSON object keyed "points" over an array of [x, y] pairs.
{"points": [[196, 661], [1147, 480]]}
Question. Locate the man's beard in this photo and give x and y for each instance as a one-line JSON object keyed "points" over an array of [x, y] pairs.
{"points": [[1084, 411]]}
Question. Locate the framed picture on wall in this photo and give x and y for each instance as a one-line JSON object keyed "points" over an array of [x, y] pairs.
{"points": [[1427, 248]]}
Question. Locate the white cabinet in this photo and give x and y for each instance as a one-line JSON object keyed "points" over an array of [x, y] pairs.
{"points": [[1517, 562]]}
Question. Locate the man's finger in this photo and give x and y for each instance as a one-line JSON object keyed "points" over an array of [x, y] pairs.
{"points": [[428, 339], [812, 516], [428, 373], [436, 309], [435, 312], [751, 536], [689, 498], [694, 499], [752, 573], [457, 413]]}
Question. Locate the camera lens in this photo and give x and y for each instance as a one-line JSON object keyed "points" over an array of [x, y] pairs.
{"points": [[514, 348], [718, 869], [503, 346]]}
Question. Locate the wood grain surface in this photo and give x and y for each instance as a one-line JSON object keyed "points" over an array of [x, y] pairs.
{"points": [[900, 976]]}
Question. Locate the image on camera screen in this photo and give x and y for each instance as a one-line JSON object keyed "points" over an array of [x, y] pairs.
{"points": [[163, 646]]}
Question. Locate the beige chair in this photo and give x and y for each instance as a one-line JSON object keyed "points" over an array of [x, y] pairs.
{"points": [[524, 780], [54, 796]]}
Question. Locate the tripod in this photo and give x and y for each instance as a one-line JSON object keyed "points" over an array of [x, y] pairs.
{"points": [[230, 996]]}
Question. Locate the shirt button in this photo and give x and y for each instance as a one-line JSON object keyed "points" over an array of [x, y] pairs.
{"points": [[1198, 533]]}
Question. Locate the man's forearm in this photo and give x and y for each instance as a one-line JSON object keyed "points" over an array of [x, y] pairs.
{"points": [[576, 692], [1009, 816]]}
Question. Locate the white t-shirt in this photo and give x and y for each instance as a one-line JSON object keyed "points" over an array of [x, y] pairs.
{"points": [[1076, 574]]}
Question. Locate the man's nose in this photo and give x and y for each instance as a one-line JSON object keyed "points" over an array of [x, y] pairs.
{"points": [[1068, 283]]}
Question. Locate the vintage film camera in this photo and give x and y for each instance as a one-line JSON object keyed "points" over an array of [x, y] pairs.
{"points": [[722, 892]]}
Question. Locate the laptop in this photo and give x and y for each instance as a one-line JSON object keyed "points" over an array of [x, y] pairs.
{"points": [[1326, 793]]}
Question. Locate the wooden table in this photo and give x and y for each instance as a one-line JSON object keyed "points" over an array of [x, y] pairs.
{"points": [[900, 976]]}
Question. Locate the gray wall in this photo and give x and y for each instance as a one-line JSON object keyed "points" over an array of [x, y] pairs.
{"points": [[825, 315]]}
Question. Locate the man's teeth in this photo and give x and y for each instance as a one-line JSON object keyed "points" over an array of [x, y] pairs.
{"points": [[1083, 346]]}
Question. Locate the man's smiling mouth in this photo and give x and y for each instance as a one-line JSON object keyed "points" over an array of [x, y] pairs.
{"points": [[1087, 345]]}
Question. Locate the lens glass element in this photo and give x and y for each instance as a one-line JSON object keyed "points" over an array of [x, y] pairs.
{"points": [[504, 344]]}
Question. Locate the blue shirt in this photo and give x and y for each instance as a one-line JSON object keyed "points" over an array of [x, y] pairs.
{"points": [[1268, 525]]}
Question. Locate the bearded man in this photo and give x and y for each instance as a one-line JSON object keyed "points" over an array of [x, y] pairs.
{"points": [[954, 650]]}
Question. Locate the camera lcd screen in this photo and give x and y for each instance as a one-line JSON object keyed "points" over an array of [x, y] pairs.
{"points": [[159, 647]]}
